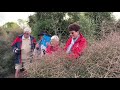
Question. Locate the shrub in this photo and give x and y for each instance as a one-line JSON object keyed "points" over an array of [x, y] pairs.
{"points": [[6, 55], [100, 60]]}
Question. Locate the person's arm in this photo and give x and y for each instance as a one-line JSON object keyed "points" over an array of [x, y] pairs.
{"points": [[14, 45]]}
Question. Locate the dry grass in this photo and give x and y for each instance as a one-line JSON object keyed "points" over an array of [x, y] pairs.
{"points": [[100, 60], [103, 58]]}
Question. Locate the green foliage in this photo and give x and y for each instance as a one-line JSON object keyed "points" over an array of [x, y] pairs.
{"points": [[93, 25], [57, 23], [6, 55], [87, 27], [6, 59], [53, 22], [10, 26], [3, 34], [32, 20], [98, 18]]}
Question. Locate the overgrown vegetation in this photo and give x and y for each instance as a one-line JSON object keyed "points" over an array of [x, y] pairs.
{"points": [[6, 55], [100, 60]]}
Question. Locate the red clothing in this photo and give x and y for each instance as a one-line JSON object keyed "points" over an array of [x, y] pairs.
{"points": [[18, 43], [50, 49], [78, 46]]}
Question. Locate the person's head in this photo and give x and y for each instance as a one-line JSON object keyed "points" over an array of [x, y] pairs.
{"points": [[74, 30], [54, 40], [27, 32], [44, 32], [41, 36]]}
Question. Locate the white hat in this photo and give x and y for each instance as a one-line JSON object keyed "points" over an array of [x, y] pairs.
{"points": [[55, 37], [27, 29]]}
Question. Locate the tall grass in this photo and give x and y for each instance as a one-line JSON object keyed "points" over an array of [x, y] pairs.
{"points": [[100, 60], [103, 57]]}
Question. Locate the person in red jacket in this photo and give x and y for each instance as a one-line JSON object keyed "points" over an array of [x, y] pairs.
{"points": [[23, 47], [54, 45], [77, 43]]}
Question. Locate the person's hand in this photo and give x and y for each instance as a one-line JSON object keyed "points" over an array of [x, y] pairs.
{"points": [[16, 50], [37, 45]]}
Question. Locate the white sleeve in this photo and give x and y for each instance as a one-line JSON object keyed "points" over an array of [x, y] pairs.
{"points": [[43, 47]]}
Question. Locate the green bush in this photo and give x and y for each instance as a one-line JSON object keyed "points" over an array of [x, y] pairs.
{"points": [[6, 59], [6, 54]]}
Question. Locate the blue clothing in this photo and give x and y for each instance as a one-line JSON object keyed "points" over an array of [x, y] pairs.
{"points": [[46, 39]]}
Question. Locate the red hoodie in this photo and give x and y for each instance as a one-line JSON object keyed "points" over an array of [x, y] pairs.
{"points": [[78, 46], [50, 49]]}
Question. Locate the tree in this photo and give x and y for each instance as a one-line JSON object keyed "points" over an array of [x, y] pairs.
{"points": [[98, 18], [22, 23], [10, 26], [73, 16], [50, 21], [12, 29], [32, 20]]}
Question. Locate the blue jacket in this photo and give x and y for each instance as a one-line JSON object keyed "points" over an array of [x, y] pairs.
{"points": [[46, 40]]}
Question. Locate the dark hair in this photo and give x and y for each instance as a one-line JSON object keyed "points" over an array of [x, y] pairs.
{"points": [[74, 27], [42, 33]]}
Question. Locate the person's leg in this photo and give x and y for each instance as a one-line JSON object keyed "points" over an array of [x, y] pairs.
{"points": [[17, 70], [25, 66], [17, 73]]}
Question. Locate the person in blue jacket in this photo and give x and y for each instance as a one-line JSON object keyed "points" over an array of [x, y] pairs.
{"points": [[44, 40]]}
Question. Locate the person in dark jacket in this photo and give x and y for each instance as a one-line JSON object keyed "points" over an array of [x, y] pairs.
{"points": [[22, 47]]}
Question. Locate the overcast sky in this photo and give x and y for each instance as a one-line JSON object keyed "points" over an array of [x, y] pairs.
{"points": [[14, 16], [117, 15]]}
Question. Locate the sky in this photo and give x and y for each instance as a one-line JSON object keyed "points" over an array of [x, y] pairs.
{"points": [[14, 16], [117, 15]]}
